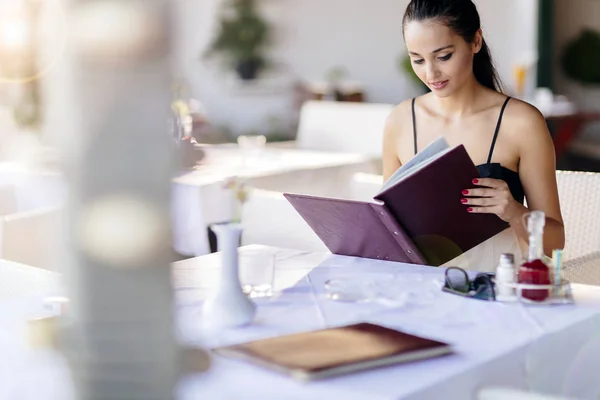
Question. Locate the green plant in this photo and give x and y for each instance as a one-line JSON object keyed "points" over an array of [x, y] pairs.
{"points": [[242, 35], [581, 58], [405, 66]]}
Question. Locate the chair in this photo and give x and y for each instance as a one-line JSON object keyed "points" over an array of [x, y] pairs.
{"points": [[579, 194], [32, 237], [269, 219], [343, 126]]}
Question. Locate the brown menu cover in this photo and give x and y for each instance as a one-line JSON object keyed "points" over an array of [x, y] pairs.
{"points": [[336, 351], [420, 218]]}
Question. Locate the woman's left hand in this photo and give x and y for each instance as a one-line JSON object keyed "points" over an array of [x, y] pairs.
{"points": [[492, 197]]}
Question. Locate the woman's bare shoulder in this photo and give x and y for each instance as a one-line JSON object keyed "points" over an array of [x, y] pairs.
{"points": [[401, 111], [399, 119], [524, 122]]}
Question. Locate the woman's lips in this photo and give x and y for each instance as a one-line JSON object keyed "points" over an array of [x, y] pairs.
{"points": [[439, 85]]}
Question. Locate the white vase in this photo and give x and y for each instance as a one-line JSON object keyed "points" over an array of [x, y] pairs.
{"points": [[228, 306]]}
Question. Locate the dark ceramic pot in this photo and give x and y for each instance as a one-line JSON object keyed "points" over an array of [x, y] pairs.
{"points": [[248, 69]]}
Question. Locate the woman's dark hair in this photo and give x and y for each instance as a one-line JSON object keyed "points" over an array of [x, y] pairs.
{"points": [[462, 17]]}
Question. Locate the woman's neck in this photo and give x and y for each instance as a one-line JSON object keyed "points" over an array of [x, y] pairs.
{"points": [[461, 103]]}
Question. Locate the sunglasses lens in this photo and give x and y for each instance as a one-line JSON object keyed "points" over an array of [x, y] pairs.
{"points": [[484, 288], [484, 292], [457, 280]]}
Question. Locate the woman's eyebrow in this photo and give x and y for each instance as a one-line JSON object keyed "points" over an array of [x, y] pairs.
{"points": [[433, 52]]}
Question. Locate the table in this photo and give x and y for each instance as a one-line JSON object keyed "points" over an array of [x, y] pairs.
{"points": [[497, 344], [33, 188], [554, 349], [199, 198], [22, 281]]}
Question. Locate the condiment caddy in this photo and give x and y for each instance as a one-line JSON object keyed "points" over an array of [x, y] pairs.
{"points": [[537, 280]]}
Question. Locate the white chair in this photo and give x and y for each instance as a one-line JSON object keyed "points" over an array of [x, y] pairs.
{"points": [[269, 219], [32, 237], [579, 194], [343, 126]]}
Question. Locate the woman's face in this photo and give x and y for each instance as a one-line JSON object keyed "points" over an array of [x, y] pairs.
{"points": [[440, 57]]}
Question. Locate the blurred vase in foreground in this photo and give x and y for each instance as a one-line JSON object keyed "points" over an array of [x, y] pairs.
{"points": [[228, 306]]}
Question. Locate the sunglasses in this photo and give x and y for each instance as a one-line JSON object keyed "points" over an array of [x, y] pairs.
{"points": [[457, 282]]}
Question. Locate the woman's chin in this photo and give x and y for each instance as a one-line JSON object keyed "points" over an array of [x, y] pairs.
{"points": [[441, 93]]}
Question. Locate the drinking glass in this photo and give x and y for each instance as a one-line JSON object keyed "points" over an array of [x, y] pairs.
{"points": [[252, 147], [257, 270]]}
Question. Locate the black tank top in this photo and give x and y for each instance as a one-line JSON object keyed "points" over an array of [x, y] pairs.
{"points": [[489, 169]]}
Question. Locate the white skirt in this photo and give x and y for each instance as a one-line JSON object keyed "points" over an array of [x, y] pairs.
{"points": [[485, 256]]}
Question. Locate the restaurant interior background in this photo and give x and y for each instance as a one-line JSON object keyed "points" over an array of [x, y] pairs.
{"points": [[313, 50], [359, 47]]}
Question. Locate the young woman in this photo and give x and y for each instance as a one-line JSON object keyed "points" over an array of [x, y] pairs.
{"points": [[506, 138]]}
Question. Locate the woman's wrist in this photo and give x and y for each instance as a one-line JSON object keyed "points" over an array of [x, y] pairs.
{"points": [[517, 217]]}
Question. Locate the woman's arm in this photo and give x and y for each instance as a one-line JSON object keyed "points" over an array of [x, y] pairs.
{"points": [[537, 170]]}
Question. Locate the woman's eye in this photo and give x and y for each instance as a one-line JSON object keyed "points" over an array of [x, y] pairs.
{"points": [[446, 57], [417, 61]]}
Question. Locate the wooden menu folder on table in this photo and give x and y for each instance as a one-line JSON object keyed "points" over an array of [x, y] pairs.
{"points": [[416, 218], [335, 351]]}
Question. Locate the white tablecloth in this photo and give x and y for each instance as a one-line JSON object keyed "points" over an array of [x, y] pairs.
{"points": [[33, 188], [553, 350], [199, 198]]}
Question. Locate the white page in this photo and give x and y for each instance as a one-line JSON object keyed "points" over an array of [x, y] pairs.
{"points": [[438, 146]]}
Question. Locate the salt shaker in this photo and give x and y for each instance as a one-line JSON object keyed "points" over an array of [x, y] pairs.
{"points": [[505, 275]]}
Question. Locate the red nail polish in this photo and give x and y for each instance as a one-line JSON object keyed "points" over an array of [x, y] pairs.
{"points": [[469, 209], [465, 192], [463, 200], [475, 180]]}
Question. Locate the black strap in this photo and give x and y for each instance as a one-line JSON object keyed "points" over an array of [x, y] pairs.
{"points": [[414, 121], [497, 130]]}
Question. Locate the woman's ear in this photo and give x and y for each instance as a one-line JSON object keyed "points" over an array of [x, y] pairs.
{"points": [[477, 41]]}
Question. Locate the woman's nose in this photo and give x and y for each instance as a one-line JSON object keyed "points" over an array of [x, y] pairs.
{"points": [[432, 72]]}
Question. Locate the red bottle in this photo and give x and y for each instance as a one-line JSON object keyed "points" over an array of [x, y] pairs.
{"points": [[535, 271]]}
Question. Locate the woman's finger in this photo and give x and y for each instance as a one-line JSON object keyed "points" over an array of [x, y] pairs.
{"points": [[484, 210], [490, 182], [485, 201], [480, 192]]}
